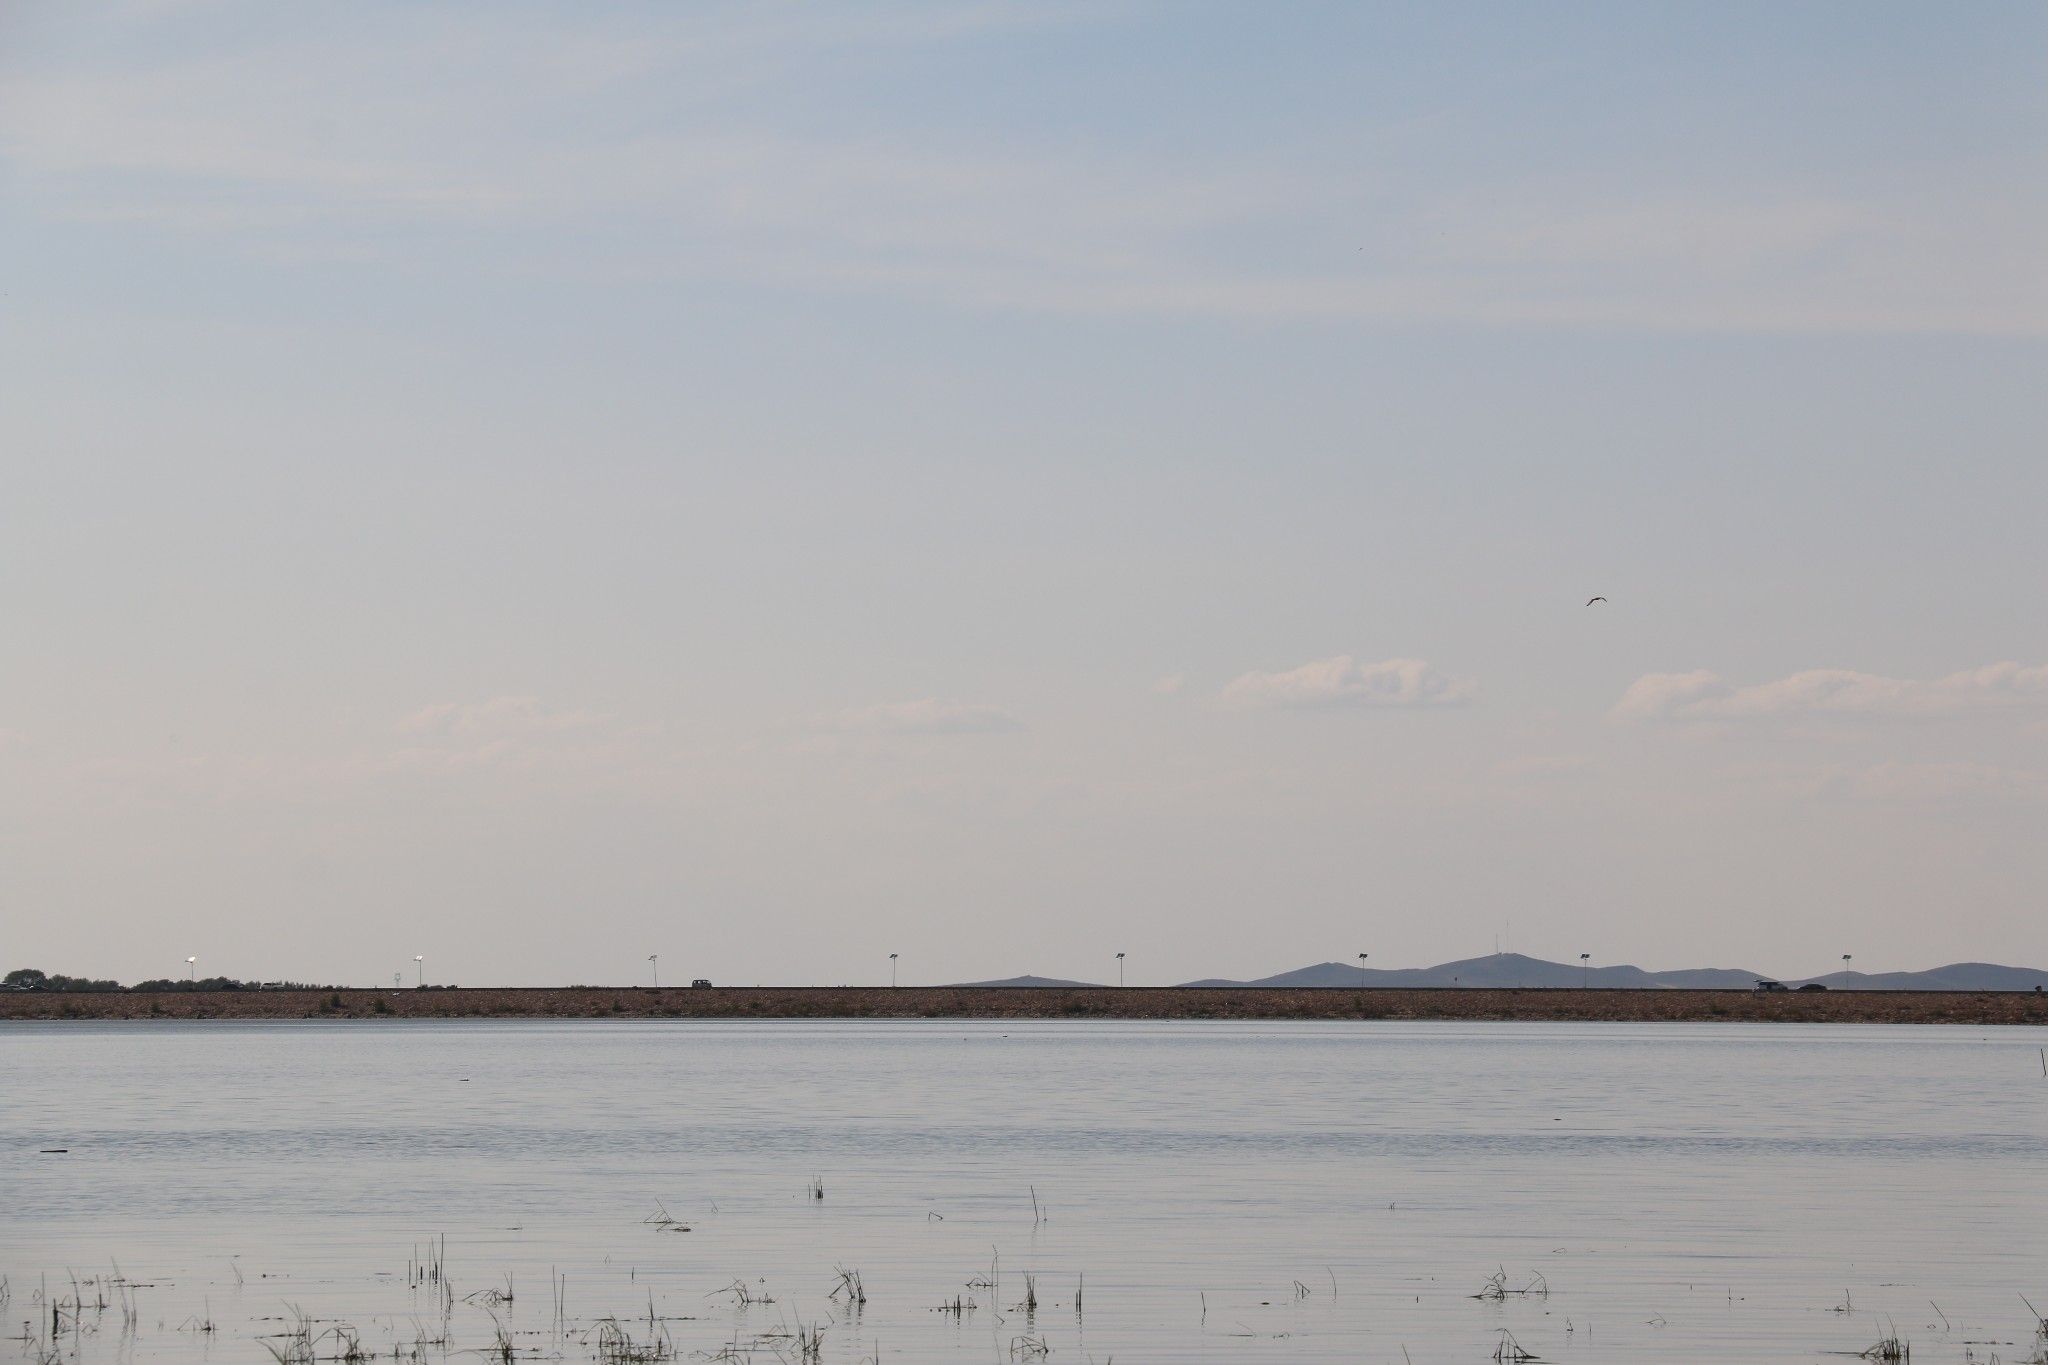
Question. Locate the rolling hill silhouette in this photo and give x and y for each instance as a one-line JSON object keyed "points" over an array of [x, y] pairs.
{"points": [[1508, 970], [1505, 971]]}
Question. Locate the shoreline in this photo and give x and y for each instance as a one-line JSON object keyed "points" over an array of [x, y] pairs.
{"points": [[1563, 1005]]}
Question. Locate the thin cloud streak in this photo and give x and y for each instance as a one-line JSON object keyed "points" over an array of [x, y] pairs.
{"points": [[1342, 683], [496, 717], [1935, 783], [925, 716], [1704, 695], [238, 144]]}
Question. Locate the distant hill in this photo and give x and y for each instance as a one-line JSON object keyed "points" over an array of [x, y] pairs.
{"points": [[1706, 978], [1015, 981], [1956, 976], [1509, 970], [1494, 971]]}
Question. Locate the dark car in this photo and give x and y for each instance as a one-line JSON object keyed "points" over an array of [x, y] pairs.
{"points": [[700, 983], [1772, 986], [1813, 986]]}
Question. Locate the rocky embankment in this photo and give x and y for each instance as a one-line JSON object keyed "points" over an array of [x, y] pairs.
{"points": [[1091, 1002]]}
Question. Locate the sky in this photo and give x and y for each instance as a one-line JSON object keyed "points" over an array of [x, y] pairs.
{"points": [[539, 485]]}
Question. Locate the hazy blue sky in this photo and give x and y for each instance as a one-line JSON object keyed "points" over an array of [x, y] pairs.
{"points": [[541, 484]]}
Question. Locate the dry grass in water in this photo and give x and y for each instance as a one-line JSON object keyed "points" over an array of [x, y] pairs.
{"points": [[664, 1221], [1497, 1288], [742, 1297], [1511, 1352], [616, 1346], [849, 1287]]}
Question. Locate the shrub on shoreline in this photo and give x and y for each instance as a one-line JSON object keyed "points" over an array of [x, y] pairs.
{"points": [[30, 979]]}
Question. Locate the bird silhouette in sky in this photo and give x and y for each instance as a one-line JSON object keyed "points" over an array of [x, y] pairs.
{"points": [[1591, 600]]}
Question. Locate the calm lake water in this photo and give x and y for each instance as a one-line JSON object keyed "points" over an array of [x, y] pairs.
{"points": [[1231, 1192]]}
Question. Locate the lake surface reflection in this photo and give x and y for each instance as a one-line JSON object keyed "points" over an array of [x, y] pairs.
{"points": [[1229, 1191]]}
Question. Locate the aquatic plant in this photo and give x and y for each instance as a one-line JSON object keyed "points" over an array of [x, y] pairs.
{"points": [[1508, 1350], [616, 1346], [1497, 1288], [742, 1296], [663, 1219], [849, 1287]]}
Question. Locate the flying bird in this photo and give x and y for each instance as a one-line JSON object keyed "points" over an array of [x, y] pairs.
{"points": [[1591, 600]]}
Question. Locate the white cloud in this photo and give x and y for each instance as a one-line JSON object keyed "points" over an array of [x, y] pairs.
{"points": [[925, 716], [1343, 682], [1833, 691]]}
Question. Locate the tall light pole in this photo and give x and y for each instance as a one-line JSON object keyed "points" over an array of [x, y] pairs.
{"points": [[1585, 969], [419, 967], [191, 969], [654, 965], [892, 971], [1845, 961], [1119, 971]]}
